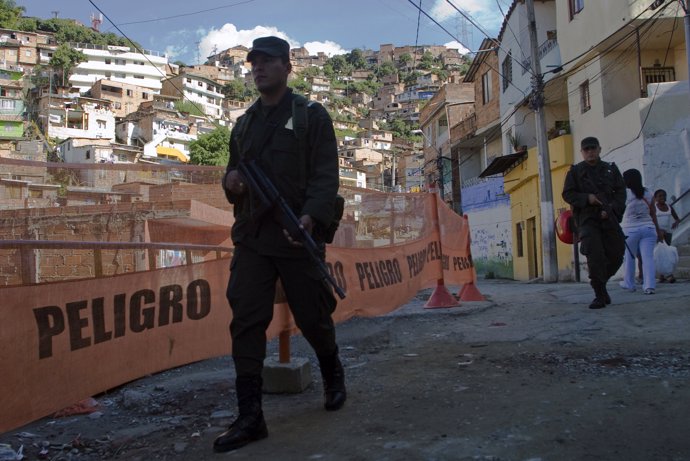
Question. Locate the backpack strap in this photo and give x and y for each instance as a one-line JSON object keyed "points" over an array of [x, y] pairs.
{"points": [[300, 125]]}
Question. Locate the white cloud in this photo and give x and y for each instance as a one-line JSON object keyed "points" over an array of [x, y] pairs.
{"points": [[175, 51], [442, 11], [457, 46], [328, 47], [228, 36]]}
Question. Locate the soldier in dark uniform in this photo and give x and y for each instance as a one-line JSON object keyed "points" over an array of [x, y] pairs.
{"points": [[596, 191], [264, 252]]}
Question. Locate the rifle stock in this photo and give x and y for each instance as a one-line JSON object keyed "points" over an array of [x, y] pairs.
{"points": [[266, 192]]}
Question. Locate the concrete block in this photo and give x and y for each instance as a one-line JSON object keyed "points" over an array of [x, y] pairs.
{"points": [[286, 378]]}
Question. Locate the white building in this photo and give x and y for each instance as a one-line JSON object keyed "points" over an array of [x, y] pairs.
{"points": [[627, 84], [118, 63], [514, 60], [200, 90]]}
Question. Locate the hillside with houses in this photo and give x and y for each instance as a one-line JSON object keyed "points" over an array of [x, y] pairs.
{"points": [[408, 118]]}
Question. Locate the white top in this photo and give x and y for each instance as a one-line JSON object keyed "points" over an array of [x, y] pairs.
{"points": [[664, 218], [637, 211]]}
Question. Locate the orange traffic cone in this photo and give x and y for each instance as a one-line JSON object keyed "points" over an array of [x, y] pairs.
{"points": [[470, 292], [441, 297]]}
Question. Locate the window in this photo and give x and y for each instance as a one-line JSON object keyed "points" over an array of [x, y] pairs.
{"points": [[108, 61], [88, 154], [518, 240], [144, 95], [101, 124], [507, 70], [130, 93], [28, 53], [486, 87], [585, 101], [575, 7], [189, 80]]}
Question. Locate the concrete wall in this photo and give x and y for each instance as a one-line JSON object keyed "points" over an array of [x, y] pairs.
{"points": [[488, 210]]}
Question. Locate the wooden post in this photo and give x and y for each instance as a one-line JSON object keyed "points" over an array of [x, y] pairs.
{"points": [[284, 347], [97, 263]]}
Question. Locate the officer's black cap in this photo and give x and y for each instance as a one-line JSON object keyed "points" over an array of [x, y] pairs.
{"points": [[589, 141], [272, 46]]}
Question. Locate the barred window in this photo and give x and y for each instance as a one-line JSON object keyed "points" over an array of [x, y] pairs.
{"points": [[507, 70], [585, 101]]}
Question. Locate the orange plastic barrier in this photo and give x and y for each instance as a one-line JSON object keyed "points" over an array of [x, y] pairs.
{"points": [[63, 342]]}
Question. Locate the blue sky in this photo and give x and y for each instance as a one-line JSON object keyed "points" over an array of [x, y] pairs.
{"points": [[189, 31]]}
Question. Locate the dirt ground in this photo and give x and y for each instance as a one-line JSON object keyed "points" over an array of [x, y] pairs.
{"points": [[529, 374]]}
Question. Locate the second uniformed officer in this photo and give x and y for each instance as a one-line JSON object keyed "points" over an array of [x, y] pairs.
{"points": [[596, 191]]}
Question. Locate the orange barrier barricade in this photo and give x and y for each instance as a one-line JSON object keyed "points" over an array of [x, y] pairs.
{"points": [[65, 341]]}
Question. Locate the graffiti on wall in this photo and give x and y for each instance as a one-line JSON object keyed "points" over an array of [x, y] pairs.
{"points": [[488, 209]]}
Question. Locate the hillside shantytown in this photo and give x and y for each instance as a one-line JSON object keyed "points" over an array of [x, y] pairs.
{"points": [[409, 119]]}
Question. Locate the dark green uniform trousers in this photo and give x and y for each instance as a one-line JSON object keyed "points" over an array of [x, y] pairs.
{"points": [[251, 292], [604, 247]]}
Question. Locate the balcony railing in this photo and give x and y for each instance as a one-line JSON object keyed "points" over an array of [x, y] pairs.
{"points": [[465, 128]]}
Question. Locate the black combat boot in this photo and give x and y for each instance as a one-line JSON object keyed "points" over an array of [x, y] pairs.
{"points": [[599, 301], [249, 425], [605, 292], [334, 394]]}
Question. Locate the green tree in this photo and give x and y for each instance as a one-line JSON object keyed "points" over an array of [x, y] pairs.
{"points": [[66, 58], [189, 107], [300, 85], [356, 59], [442, 74], [339, 65], [427, 61], [211, 148], [235, 90], [385, 69], [405, 59], [10, 14]]}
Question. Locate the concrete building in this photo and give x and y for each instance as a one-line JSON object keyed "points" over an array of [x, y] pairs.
{"points": [[198, 89], [160, 130], [125, 98], [66, 115], [11, 104], [120, 64], [475, 143], [452, 103]]}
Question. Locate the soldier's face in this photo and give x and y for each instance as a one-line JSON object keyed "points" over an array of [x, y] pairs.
{"points": [[590, 154], [269, 72]]}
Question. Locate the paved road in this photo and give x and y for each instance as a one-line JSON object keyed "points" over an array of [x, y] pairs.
{"points": [[529, 374]]}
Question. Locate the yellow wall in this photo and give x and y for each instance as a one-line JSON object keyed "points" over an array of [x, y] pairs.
{"points": [[522, 183]]}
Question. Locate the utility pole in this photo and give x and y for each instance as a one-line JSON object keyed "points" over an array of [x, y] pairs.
{"points": [[439, 165], [548, 234], [685, 4]]}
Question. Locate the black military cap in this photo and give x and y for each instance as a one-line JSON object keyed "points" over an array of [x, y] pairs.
{"points": [[589, 141], [272, 46]]}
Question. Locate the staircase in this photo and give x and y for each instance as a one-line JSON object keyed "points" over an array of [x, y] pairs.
{"points": [[683, 267]]}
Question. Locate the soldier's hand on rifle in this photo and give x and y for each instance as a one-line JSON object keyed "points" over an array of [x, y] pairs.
{"points": [[235, 183], [306, 223]]}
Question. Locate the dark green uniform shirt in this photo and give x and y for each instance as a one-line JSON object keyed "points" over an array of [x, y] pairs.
{"points": [[269, 138], [602, 179]]}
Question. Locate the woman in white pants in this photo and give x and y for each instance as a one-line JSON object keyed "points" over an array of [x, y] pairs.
{"points": [[641, 232]]}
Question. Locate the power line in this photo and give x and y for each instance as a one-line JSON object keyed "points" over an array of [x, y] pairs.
{"points": [[140, 51], [185, 14]]}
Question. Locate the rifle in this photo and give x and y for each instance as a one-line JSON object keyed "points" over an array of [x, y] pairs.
{"points": [[269, 196]]}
